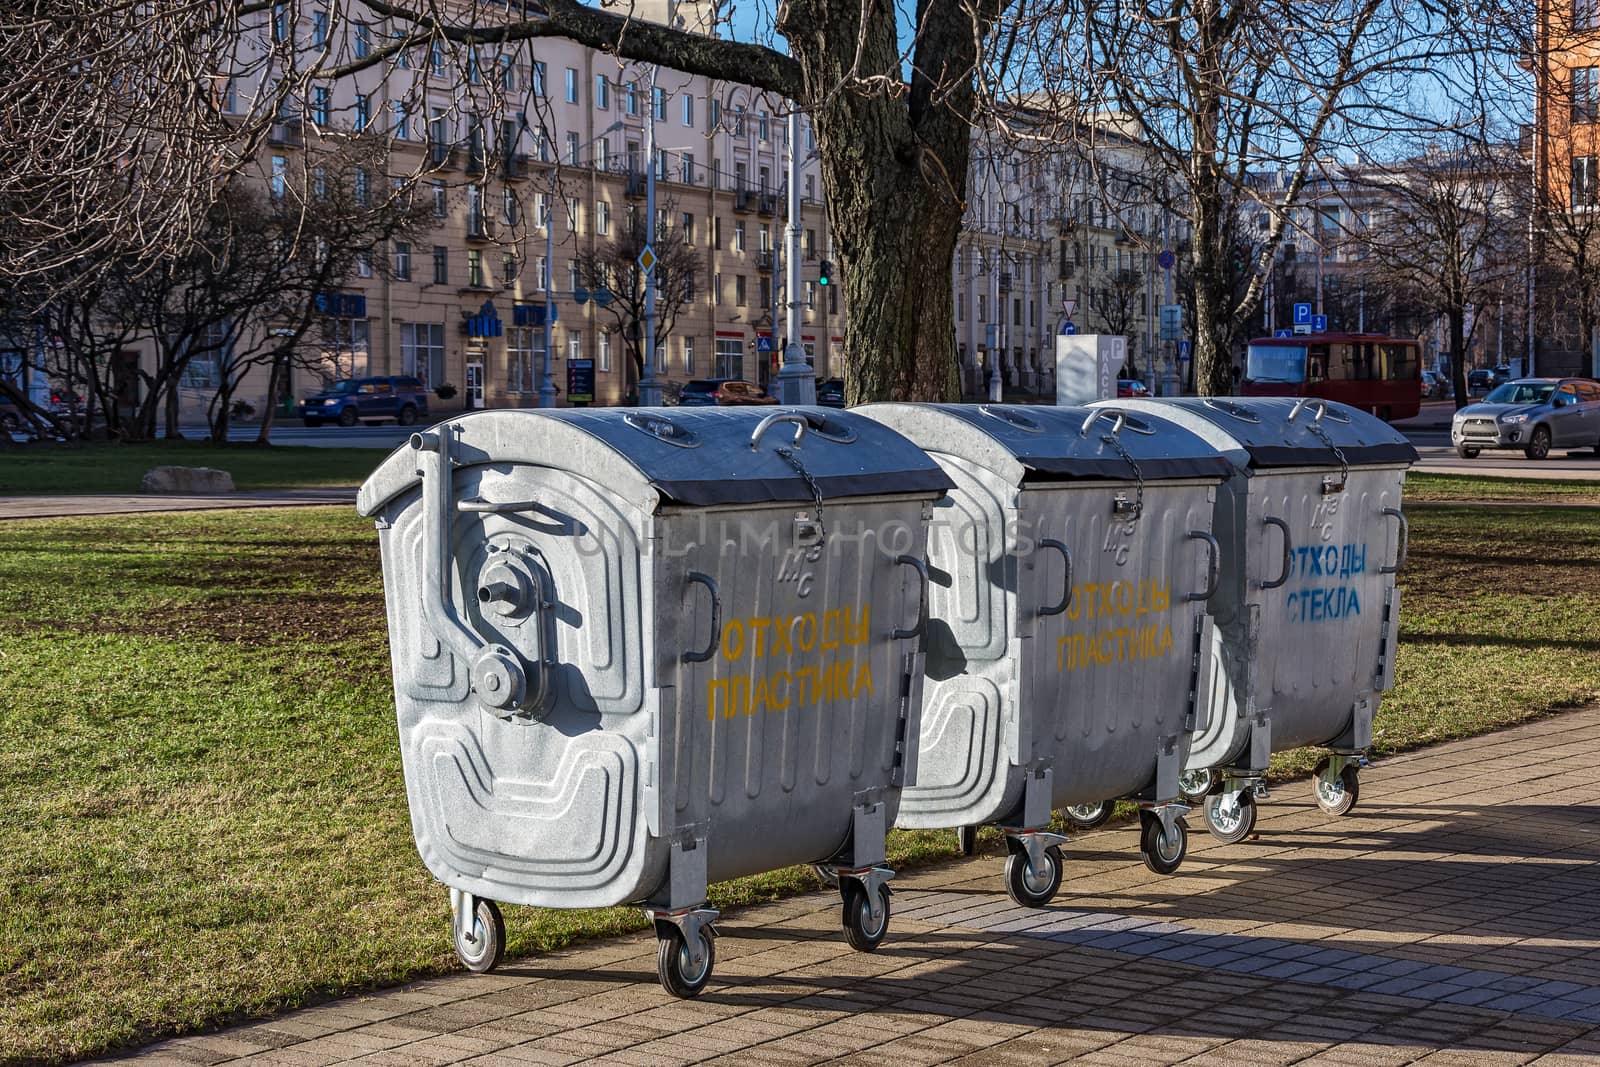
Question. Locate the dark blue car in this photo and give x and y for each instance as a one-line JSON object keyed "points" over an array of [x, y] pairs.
{"points": [[353, 400]]}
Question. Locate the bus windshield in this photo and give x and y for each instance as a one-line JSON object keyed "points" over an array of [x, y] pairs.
{"points": [[1276, 363]]}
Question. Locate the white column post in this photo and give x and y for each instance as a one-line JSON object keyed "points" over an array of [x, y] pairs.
{"points": [[650, 388], [796, 382], [547, 385]]}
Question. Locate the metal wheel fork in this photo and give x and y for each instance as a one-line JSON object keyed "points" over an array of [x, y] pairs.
{"points": [[690, 922], [1169, 814], [872, 879], [1034, 844]]}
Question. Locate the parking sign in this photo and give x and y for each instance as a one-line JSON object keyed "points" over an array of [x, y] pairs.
{"points": [[1302, 314]]}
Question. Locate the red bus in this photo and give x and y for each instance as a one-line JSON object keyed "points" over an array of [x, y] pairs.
{"points": [[1370, 371]]}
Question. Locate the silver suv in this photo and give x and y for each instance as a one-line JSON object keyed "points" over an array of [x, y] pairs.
{"points": [[1533, 414]]}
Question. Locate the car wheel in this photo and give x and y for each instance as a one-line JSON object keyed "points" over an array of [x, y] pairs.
{"points": [[1466, 453], [1539, 443], [348, 417], [408, 416]]}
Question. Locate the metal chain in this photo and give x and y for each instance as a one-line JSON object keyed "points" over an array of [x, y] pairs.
{"points": [[1344, 464], [816, 494], [1138, 476]]}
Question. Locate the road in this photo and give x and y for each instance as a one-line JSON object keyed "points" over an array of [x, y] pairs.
{"points": [[1429, 432]]}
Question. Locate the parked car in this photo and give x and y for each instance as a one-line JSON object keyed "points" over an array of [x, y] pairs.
{"points": [[1502, 374], [1436, 386], [1479, 380], [830, 392], [353, 400], [1132, 387], [726, 392], [1533, 414]]}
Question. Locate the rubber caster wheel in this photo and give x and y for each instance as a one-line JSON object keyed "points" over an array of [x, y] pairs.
{"points": [[1197, 784], [1339, 796], [1163, 852], [859, 929], [674, 967], [1030, 888], [967, 840], [1088, 816], [487, 946], [1230, 817]]}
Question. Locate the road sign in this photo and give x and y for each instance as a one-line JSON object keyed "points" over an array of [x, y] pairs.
{"points": [[1184, 349], [580, 381], [1068, 306], [1171, 322], [1069, 328], [1166, 260], [1319, 324], [1284, 333], [764, 343], [580, 295], [647, 259], [991, 335], [1302, 314]]}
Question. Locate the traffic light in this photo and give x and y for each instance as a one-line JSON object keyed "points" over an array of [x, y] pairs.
{"points": [[825, 273], [1240, 254]]}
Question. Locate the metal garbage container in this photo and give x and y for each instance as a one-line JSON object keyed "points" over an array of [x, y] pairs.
{"points": [[1071, 566], [636, 652], [1308, 613]]}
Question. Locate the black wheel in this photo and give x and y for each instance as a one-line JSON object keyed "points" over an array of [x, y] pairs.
{"points": [[312, 423], [1196, 784], [967, 840], [1339, 796], [1088, 816], [859, 929], [1031, 888], [348, 417], [487, 946], [1538, 444], [1230, 816], [1163, 852], [408, 416], [674, 967], [1466, 453]]}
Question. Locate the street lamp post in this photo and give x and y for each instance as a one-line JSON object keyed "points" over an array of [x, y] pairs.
{"points": [[796, 385], [650, 388]]}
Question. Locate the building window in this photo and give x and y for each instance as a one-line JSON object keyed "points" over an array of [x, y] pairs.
{"points": [[688, 286], [738, 290], [475, 268], [730, 357], [509, 268], [604, 354], [1585, 95], [508, 74], [686, 227], [574, 344], [811, 296], [359, 190], [280, 169], [574, 219], [441, 199], [738, 236], [572, 86], [402, 261], [510, 210], [633, 98], [538, 78], [660, 105], [422, 351], [602, 218], [441, 265], [716, 233], [766, 292], [321, 105], [761, 125], [1585, 14], [738, 120], [520, 356], [363, 44], [402, 125], [1585, 181], [363, 111], [573, 149], [686, 348], [688, 168], [688, 109], [716, 289], [364, 264], [602, 93], [319, 30], [714, 111]]}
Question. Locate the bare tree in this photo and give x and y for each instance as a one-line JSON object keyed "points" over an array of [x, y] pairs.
{"points": [[614, 268], [1116, 298]]}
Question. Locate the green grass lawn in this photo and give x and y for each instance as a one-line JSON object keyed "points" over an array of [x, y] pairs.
{"points": [[117, 468], [201, 797], [1445, 487]]}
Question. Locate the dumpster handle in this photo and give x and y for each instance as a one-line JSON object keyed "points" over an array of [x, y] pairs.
{"points": [[799, 421], [695, 577], [1405, 539], [496, 506], [438, 607], [1213, 564], [921, 627], [1066, 559], [1288, 551]]}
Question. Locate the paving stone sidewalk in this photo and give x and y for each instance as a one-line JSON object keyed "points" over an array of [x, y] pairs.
{"points": [[1452, 918]]}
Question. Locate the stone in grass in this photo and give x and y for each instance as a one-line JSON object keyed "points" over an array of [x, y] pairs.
{"points": [[200, 480]]}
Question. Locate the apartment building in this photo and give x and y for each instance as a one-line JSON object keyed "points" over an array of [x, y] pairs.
{"points": [[506, 142]]}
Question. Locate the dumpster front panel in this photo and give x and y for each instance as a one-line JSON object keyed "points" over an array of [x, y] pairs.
{"points": [[1110, 682], [796, 708], [529, 809]]}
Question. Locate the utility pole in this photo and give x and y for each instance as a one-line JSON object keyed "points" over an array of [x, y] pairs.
{"points": [[650, 390], [547, 385], [796, 384]]}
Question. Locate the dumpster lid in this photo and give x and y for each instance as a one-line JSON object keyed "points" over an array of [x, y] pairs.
{"points": [[1029, 443], [696, 456], [1272, 433]]}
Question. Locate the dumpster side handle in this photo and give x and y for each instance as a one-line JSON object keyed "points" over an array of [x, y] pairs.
{"points": [[1401, 544], [1213, 565], [1066, 561], [921, 567], [1288, 551], [696, 578]]}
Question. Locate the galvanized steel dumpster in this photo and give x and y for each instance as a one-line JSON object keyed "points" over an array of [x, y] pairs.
{"points": [[1308, 613], [639, 651], [1071, 565]]}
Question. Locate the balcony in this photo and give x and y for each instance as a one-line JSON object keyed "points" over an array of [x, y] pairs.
{"points": [[477, 164], [765, 262], [443, 155], [635, 188], [479, 227], [286, 132], [744, 200], [767, 205], [1005, 282], [514, 166]]}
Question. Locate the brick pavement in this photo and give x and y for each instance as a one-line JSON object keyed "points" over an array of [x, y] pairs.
{"points": [[1453, 918]]}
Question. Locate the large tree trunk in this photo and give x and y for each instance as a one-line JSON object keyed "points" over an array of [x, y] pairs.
{"points": [[1213, 308]]}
